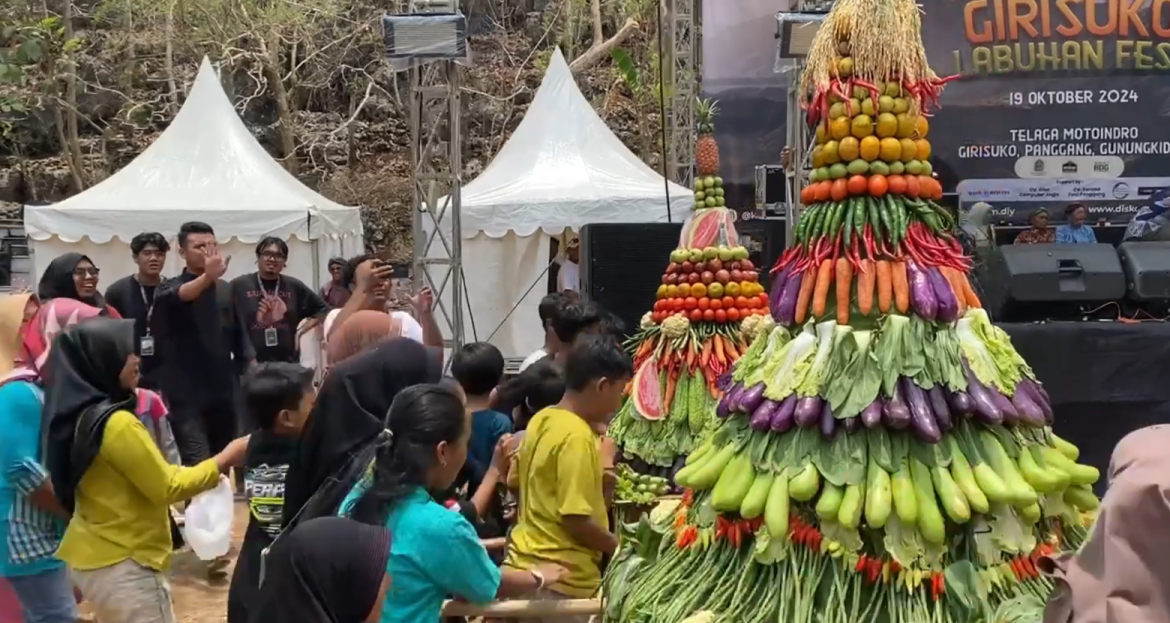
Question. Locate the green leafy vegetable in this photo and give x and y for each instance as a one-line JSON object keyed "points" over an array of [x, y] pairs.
{"points": [[828, 334], [789, 365]]}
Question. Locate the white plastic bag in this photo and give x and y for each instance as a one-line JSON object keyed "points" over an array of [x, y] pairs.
{"points": [[208, 521]]}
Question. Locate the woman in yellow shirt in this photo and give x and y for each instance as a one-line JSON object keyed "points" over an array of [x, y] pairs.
{"points": [[107, 470]]}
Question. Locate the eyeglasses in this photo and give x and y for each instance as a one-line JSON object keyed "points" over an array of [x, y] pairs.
{"points": [[82, 272], [276, 257]]}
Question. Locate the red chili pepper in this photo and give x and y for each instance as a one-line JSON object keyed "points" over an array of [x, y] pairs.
{"points": [[688, 497], [1015, 565], [875, 570], [895, 566], [868, 86], [941, 81], [861, 564]]}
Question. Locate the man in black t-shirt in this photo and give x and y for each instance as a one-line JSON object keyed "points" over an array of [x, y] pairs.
{"points": [[133, 297], [269, 306], [196, 336]]}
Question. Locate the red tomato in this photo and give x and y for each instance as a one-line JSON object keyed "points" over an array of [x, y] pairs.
{"points": [[732, 314], [716, 303], [677, 304], [763, 299], [690, 303], [741, 301], [704, 303], [696, 315], [709, 314], [657, 317], [720, 315], [728, 302]]}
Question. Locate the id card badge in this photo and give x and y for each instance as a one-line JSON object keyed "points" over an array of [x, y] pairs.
{"points": [[146, 346], [270, 339]]}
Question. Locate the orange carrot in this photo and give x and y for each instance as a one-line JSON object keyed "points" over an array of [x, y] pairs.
{"points": [[969, 292], [952, 276], [730, 350], [901, 286], [690, 361], [865, 282], [668, 397], [666, 353], [824, 280], [720, 355], [804, 297], [844, 285], [885, 286], [705, 356], [644, 349]]}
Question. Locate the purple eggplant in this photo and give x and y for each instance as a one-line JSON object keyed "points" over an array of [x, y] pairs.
{"points": [[1030, 412], [723, 409], [723, 381], [961, 403], [751, 398], [986, 408], [782, 418], [778, 282], [784, 311], [922, 298], [732, 396], [871, 416], [828, 421], [895, 413], [1010, 415], [808, 409], [922, 421], [938, 404], [1033, 391], [852, 424], [948, 306], [762, 415]]}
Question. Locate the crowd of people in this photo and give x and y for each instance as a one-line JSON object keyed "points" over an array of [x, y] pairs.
{"points": [[376, 487]]}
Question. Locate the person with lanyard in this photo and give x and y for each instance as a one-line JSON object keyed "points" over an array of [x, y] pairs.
{"points": [[73, 276], [133, 296], [270, 306]]}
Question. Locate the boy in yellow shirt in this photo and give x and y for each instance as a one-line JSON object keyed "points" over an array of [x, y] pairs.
{"points": [[562, 517]]}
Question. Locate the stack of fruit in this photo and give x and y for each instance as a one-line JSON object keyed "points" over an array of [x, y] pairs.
{"points": [[884, 453], [636, 488], [716, 284], [709, 304]]}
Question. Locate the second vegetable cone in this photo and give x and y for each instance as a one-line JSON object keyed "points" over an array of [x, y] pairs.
{"points": [[881, 453]]}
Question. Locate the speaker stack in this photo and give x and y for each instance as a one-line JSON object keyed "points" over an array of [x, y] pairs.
{"points": [[621, 265]]}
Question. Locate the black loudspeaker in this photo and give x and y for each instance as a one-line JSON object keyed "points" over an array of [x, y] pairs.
{"points": [[1147, 270], [1032, 282], [622, 265]]}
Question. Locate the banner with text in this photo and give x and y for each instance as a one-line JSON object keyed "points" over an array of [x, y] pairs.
{"points": [[1060, 101]]}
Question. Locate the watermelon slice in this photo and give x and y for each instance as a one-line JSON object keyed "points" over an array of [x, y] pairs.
{"points": [[646, 392], [709, 227]]}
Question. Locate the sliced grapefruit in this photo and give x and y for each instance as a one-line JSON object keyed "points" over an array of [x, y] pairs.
{"points": [[647, 392]]}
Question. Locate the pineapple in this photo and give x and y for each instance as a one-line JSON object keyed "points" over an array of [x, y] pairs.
{"points": [[706, 151]]}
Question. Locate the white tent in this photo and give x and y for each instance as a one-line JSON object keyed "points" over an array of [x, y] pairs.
{"points": [[561, 169], [205, 167]]}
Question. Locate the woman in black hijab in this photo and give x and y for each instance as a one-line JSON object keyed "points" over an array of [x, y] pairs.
{"points": [[328, 570], [350, 414], [73, 276]]}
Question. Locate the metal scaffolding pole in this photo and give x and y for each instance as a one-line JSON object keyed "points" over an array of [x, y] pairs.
{"points": [[437, 184], [680, 83]]}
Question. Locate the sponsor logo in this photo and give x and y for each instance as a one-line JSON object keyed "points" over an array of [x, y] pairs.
{"points": [[1038, 166], [1068, 167], [1120, 190], [1100, 166]]}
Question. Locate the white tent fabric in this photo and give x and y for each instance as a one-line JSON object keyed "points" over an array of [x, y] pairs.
{"points": [[206, 166], [561, 169]]}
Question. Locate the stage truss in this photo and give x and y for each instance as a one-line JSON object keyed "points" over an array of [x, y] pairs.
{"points": [[682, 84], [437, 165]]}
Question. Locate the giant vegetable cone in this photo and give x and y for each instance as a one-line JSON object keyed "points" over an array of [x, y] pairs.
{"points": [[883, 453], [709, 304]]}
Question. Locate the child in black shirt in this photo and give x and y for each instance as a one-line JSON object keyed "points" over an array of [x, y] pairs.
{"points": [[279, 396]]}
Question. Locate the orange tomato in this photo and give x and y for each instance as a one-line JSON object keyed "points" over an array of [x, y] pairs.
{"points": [[824, 190], [741, 301], [808, 195], [839, 190], [704, 303], [926, 185], [897, 184], [716, 303], [878, 185], [764, 299], [913, 187], [690, 303], [858, 185], [720, 315], [728, 302]]}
